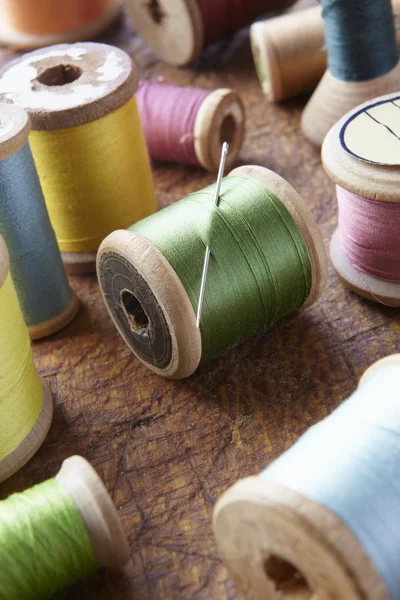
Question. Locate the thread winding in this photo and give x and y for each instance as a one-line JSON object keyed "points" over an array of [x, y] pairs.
{"points": [[168, 114], [95, 177], [350, 464], [223, 18], [259, 269], [21, 391], [369, 234], [44, 543], [35, 262], [360, 37]]}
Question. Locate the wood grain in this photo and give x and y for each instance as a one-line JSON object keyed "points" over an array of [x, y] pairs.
{"points": [[167, 450]]}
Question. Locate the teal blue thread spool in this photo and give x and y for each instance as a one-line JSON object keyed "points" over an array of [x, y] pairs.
{"points": [[362, 62], [57, 533], [46, 298], [322, 520]]}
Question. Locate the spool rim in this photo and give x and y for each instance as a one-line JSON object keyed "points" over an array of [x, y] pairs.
{"points": [[219, 106], [79, 263], [51, 326], [333, 98], [365, 285], [14, 129], [97, 510], [170, 296], [31, 444], [392, 359], [258, 523], [104, 79], [266, 61], [86, 32], [304, 220], [179, 16], [374, 181]]}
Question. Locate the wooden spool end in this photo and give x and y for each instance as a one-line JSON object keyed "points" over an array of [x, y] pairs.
{"points": [[303, 218], [334, 98], [362, 157], [29, 41], [173, 29], [66, 86], [150, 306], [14, 131], [220, 119], [97, 510], [392, 359], [279, 545], [289, 53], [29, 446]]}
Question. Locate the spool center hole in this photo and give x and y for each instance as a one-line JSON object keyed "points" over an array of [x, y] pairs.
{"points": [[135, 313], [228, 129], [155, 10], [60, 75], [288, 580]]}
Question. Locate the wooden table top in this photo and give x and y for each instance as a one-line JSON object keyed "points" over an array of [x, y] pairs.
{"points": [[167, 450]]}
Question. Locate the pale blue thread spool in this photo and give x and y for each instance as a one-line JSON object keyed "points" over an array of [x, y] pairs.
{"points": [[46, 298], [338, 486]]}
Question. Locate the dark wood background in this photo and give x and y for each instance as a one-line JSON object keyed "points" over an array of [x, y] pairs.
{"points": [[167, 450]]}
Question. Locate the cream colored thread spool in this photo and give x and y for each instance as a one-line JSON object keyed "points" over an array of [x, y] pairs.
{"points": [[10, 36], [280, 545], [220, 119], [289, 52], [172, 347], [358, 175], [67, 86], [97, 510], [29, 446]]}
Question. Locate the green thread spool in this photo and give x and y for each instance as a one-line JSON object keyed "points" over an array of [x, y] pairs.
{"points": [[267, 260], [57, 533]]}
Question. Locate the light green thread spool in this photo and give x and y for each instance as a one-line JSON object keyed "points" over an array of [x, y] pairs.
{"points": [[267, 260], [57, 533]]}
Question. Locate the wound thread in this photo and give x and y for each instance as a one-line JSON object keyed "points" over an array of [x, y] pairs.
{"points": [[168, 114], [95, 177], [35, 261], [44, 543], [259, 269], [369, 234], [360, 38], [350, 464], [21, 391]]}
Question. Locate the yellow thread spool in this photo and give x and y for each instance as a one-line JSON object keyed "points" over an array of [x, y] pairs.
{"points": [[86, 140], [26, 407]]}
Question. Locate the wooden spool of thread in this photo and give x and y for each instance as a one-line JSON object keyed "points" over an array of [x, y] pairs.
{"points": [[27, 24], [289, 52], [179, 30], [363, 62], [361, 154], [150, 275], [320, 522], [188, 125], [26, 406], [87, 142], [47, 301], [70, 526]]}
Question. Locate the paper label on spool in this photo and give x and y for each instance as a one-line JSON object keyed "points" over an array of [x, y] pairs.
{"points": [[372, 134]]}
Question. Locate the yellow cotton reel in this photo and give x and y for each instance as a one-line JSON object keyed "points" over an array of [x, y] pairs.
{"points": [[26, 406], [87, 142]]}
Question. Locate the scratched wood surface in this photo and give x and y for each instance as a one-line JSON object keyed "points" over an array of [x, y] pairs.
{"points": [[167, 450]]}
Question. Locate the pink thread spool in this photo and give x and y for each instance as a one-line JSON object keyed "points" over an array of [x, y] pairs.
{"points": [[361, 154], [189, 125], [178, 30]]}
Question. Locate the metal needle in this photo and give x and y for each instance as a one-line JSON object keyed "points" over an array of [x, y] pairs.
{"points": [[225, 148]]}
